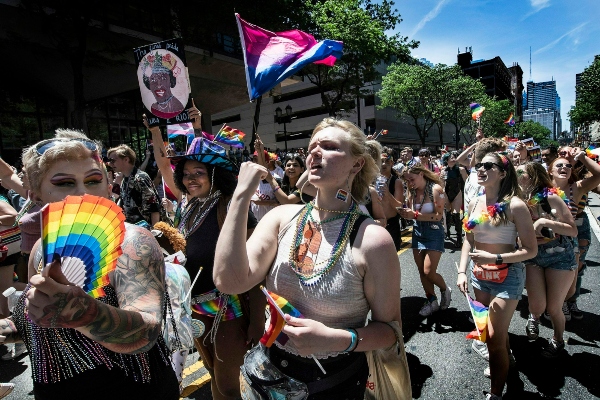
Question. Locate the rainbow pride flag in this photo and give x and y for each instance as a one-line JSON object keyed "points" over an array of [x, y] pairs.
{"points": [[480, 316], [230, 136], [476, 110], [592, 151], [276, 321], [510, 121], [270, 57]]}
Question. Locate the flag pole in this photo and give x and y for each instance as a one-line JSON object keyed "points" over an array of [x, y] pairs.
{"points": [[215, 136], [192, 285], [255, 123], [470, 309], [280, 311]]}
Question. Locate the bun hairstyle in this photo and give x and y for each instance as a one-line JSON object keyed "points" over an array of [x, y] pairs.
{"points": [[358, 149]]}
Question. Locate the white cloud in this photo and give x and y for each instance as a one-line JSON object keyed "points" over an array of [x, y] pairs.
{"points": [[537, 5], [431, 15], [555, 42]]}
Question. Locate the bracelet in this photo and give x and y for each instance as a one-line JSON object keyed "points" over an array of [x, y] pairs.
{"points": [[276, 188], [462, 272], [354, 341], [416, 215]]}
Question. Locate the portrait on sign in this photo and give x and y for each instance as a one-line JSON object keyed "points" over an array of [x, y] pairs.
{"points": [[164, 83]]}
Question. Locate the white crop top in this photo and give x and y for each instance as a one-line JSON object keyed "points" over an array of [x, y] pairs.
{"points": [[490, 234], [427, 208]]}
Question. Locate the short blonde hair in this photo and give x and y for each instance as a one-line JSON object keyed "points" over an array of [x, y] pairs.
{"points": [[123, 151], [359, 149], [37, 165]]}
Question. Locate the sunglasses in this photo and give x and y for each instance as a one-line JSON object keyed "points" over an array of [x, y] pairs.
{"points": [[110, 160], [561, 165], [45, 145], [553, 250], [488, 165]]}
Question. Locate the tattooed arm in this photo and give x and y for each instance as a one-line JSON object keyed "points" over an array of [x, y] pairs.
{"points": [[139, 283], [8, 331]]}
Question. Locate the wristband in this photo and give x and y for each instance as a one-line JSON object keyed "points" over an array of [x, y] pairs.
{"points": [[276, 188], [416, 215], [354, 341], [461, 272]]}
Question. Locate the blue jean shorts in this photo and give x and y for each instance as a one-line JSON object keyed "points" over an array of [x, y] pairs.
{"points": [[428, 236], [557, 254], [510, 289]]}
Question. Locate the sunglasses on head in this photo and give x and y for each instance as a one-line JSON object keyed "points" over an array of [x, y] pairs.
{"points": [[560, 165], [44, 145], [488, 165]]}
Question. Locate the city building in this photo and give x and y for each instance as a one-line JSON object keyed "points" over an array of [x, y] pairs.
{"points": [[543, 106]]}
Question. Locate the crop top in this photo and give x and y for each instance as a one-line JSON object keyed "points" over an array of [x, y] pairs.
{"points": [[490, 234], [426, 208]]}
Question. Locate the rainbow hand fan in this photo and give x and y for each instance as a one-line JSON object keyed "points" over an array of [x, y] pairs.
{"points": [[86, 232]]}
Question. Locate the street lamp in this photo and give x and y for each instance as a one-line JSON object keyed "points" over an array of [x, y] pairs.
{"points": [[280, 118]]}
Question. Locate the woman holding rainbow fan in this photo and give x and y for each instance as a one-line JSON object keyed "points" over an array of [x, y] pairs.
{"points": [[550, 273], [493, 221]]}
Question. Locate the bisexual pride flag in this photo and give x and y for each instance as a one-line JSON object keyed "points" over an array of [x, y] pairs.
{"points": [[270, 57], [276, 321], [480, 317]]}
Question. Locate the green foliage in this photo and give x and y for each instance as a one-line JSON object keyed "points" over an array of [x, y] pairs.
{"points": [[540, 134], [362, 25], [587, 105], [492, 119]]}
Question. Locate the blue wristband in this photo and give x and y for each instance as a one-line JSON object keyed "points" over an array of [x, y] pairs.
{"points": [[354, 341]]}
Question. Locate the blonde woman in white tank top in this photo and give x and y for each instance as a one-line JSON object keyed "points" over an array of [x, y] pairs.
{"points": [[339, 167]]}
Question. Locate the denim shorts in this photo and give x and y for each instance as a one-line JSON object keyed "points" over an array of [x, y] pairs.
{"points": [[584, 232], [549, 257], [510, 289], [428, 236]]}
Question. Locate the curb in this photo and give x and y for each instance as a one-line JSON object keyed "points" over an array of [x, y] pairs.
{"points": [[594, 223]]}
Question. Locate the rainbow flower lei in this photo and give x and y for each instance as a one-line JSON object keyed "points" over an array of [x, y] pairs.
{"points": [[539, 196], [470, 223]]}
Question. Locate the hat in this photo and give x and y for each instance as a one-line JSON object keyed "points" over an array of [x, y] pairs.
{"points": [[207, 152]]}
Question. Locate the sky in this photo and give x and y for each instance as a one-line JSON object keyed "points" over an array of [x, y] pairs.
{"points": [[563, 36]]}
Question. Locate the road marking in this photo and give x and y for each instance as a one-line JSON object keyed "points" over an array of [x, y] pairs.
{"points": [[198, 383], [406, 245]]}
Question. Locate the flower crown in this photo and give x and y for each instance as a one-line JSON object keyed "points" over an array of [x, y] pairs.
{"points": [[160, 63]]}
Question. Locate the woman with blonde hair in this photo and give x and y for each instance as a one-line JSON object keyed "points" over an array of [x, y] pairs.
{"points": [[493, 221], [550, 273], [426, 201], [331, 263]]}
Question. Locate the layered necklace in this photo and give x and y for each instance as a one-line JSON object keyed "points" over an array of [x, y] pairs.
{"points": [[306, 229], [200, 216], [544, 193], [491, 211]]}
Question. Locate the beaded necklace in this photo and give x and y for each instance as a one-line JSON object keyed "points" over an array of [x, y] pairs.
{"points": [[192, 206], [298, 266], [539, 196], [491, 211]]}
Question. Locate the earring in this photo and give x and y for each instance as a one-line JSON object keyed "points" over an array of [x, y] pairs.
{"points": [[343, 194]]}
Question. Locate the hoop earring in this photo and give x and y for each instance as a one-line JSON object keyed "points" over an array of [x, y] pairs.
{"points": [[301, 189]]}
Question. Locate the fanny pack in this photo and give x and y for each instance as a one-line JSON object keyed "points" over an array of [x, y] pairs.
{"points": [[491, 272], [260, 379]]}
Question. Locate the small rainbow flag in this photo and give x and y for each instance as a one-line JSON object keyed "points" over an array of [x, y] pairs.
{"points": [[477, 110], [592, 151], [480, 316], [384, 132], [230, 136], [510, 121], [276, 321]]}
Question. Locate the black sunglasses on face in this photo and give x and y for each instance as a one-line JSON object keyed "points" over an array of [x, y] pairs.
{"points": [[488, 165], [560, 165], [44, 145]]}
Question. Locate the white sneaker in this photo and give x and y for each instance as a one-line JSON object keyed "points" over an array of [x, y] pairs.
{"points": [[481, 348], [429, 308], [490, 396], [5, 389], [17, 350], [446, 298]]}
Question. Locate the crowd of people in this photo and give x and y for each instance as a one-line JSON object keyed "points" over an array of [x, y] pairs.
{"points": [[330, 249]]}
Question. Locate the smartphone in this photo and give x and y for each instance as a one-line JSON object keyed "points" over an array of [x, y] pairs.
{"points": [[547, 233]]}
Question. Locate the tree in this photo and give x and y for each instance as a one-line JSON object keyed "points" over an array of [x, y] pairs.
{"points": [[463, 90], [492, 119], [539, 133], [587, 105], [362, 26], [411, 91]]}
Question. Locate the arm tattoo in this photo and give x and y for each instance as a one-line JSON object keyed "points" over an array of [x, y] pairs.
{"points": [[162, 153]]}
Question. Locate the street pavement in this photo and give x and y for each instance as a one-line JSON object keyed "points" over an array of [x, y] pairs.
{"points": [[442, 364]]}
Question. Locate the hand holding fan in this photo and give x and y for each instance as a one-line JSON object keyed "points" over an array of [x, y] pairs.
{"points": [[86, 232]]}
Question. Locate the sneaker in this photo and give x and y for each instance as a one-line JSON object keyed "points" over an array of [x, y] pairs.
{"points": [[429, 308], [511, 364], [576, 313], [5, 389], [532, 328], [553, 349], [547, 316], [566, 311], [490, 396], [446, 298], [487, 373], [481, 348], [17, 350]]}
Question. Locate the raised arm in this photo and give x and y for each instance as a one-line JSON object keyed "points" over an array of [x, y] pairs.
{"points": [[240, 264], [160, 155], [463, 158], [139, 281], [589, 183]]}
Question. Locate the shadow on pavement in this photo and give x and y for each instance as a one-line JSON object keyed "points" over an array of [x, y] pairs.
{"points": [[419, 373]]}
